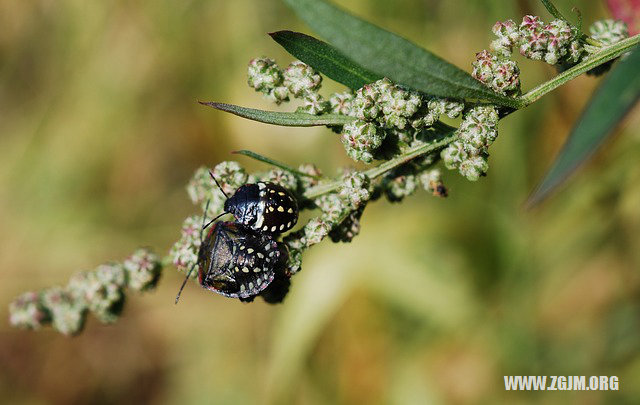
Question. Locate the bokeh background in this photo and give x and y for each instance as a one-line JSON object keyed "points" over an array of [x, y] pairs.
{"points": [[434, 302]]}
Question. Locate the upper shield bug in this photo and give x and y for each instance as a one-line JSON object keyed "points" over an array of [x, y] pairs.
{"points": [[262, 206]]}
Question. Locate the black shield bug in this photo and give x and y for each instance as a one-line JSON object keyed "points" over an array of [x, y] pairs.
{"points": [[262, 206], [238, 262]]}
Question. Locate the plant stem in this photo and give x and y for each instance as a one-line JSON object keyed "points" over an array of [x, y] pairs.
{"points": [[605, 55], [417, 151]]}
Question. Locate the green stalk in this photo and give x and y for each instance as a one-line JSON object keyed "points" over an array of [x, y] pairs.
{"points": [[384, 167]]}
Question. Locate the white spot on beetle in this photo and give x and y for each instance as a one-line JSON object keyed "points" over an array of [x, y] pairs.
{"points": [[249, 250], [273, 228], [261, 185], [281, 227], [290, 211], [280, 208], [260, 255], [245, 270], [250, 285], [242, 287], [257, 270], [280, 193], [266, 228]]}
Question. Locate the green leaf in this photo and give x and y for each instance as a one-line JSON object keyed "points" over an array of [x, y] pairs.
{"points": [[617, 94], [553, 10], [387, 54], [287, 119], [272, 162], [324, 58]]}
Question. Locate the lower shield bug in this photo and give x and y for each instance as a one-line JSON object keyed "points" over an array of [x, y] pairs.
{"points": [[238, 262]]}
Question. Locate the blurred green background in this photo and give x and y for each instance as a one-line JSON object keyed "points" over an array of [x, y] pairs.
{"points": [[434, 302]]}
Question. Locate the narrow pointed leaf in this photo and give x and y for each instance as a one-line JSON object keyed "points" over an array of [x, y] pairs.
{"points": [[553, 10], [617, 94], [287, 119], [387, 54], [324, 58]]}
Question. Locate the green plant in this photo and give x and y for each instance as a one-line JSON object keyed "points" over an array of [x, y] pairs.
{"points": [[391, 113]]}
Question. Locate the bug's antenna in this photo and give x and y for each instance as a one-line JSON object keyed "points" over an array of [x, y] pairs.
{"points": [[218, 184], [204, 219], [209, 223]]}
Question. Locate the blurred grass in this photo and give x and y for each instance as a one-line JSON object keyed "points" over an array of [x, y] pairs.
{"points": [[434, 302]]}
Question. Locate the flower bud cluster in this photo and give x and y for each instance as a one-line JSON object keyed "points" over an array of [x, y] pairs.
{"points": [[301, 79], [609, 31], [431, 181], [355, 189], [314, 173], [184, 253], [476, 133], [341, 103], [267, 77], [348, 229], [386, 103], [202, 189], [361, 138], [500, 75], [557, 43], [298, 80], [100, 291]]}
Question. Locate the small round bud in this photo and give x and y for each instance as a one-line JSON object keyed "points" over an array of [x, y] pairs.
{"points": [[508, 35], [609, 31], [283, 178], [184, 253], [67, 316], [355, 189], [313, 171], [533, 39], [431, 181], [365, 103], [264, 75], [301, 79], [347, 229], [399, 187], [360, 139], [478, 129], [454, 154], [341, 103], [474, 167], [502, 76], [331, 205], [314, 103], [143, 270], [315, 230], [104, 292], [28, 312]]}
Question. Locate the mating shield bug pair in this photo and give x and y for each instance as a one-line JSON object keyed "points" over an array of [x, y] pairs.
{"points": [[241, 259]]}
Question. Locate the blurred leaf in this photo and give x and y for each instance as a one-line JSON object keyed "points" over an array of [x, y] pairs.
{"points": [[324, 58], [390, 55], [614, 98], [287, 119], [272, 162]]}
